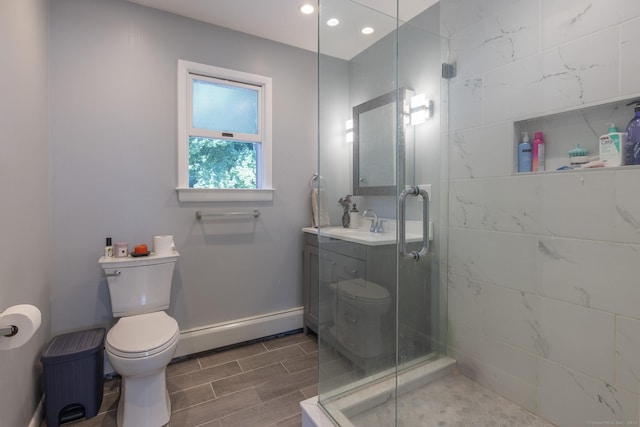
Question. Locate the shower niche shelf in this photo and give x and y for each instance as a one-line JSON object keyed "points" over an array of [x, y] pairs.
{"points": [[563, 130]]}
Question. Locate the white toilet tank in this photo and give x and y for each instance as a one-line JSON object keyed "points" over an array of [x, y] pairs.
{"points": [[139, 285]]}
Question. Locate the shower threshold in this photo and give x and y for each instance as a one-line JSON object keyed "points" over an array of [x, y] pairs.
{"points": [[375, 394], [432, 394]]}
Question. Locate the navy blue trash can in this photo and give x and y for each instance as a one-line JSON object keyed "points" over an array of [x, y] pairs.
{"points": [[73, 366]]}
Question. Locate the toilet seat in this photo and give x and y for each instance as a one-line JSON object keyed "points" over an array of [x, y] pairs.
{"points": [[363, 291], [142, 335]]}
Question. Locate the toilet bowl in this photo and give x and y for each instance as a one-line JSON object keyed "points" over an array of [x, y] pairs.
{"points": [[139, 349], [360, 308]]}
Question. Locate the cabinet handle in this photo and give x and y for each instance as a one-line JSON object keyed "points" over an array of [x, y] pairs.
{"points": [[116, 273], [402, 244]]}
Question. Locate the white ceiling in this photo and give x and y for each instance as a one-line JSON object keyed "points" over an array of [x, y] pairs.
{"points": [[282, 21]]}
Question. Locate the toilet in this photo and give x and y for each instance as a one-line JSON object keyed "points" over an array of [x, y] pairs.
{"points": [[144, 339], [360, 308]]}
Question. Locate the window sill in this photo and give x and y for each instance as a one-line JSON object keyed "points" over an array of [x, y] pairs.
{"points": [[218, 195]]}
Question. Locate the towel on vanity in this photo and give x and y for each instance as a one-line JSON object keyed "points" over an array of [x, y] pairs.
{"points": [[319, 206]]}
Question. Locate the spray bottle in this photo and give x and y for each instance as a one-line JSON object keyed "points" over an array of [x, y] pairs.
{"points": [[538, 153]]}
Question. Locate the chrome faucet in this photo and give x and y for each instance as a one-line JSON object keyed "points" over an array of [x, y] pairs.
{"points": [[376, 224]]}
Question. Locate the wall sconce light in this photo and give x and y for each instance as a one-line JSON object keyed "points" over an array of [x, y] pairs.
{"points": [[349, 129], [421, 108]]}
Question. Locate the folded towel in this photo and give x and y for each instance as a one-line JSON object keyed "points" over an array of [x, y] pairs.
{"points": [[319, 206]]}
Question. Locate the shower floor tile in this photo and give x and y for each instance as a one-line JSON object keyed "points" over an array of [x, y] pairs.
{"points": [[451, 401]]}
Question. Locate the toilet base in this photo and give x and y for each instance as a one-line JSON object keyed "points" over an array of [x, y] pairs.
{"points": [[144, 401]]}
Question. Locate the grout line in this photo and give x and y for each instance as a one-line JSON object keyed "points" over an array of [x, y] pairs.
{"points": [[215, 396], [285, 368]]}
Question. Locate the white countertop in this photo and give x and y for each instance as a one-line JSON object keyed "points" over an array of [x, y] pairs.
{"points": [[361, 235]]}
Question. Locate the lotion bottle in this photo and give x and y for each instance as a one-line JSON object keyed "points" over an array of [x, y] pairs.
{"points": [[538, 153], [525, 158], [612, 145]]}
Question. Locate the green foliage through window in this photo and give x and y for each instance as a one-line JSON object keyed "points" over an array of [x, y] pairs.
{"points": [[219, 163]]}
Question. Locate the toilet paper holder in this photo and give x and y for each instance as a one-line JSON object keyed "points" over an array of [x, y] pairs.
{"points": [[9, 331]]}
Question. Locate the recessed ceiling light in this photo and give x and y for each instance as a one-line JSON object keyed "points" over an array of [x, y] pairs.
{"points": [[367, 30], [333, 22], [307, 9]]}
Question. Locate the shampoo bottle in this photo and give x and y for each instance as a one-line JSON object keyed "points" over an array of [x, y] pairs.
{"points": [[524, 154], [538, 153], [612, 147], [632, 143]]}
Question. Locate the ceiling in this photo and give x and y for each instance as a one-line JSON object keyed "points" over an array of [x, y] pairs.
{"points": [[282, 21]]}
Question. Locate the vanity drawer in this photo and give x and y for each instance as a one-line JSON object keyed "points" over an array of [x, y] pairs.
{"points": [[310, 239], [342, 267], [353, 250]]}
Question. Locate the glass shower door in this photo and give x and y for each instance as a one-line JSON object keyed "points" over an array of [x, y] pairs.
{"points": [[380, 97]]}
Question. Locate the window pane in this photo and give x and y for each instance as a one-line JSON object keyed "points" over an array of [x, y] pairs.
{"points": [[224, 108], [218, 163]]}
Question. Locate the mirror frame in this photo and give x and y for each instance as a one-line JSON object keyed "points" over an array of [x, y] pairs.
{"points": [[387, 98]]}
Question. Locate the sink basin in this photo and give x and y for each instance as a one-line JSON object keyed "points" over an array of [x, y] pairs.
{"points": [[361, 235]]}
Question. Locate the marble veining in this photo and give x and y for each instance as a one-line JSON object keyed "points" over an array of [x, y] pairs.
{"points": [[553, 254], [540, 344], [463, 153], [628, 218]]}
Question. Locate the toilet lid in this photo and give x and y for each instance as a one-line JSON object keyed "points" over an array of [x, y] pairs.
{"points": [[143, 334], [363, 290]]}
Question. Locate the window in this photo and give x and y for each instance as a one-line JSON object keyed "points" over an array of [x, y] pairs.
{"points": [[224, 134]]}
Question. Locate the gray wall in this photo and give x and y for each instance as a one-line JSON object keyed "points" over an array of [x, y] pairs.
{"points": [[113, 154], [24, 217]]}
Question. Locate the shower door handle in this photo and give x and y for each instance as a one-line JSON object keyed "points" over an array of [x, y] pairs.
{"points": [[402, 244]]}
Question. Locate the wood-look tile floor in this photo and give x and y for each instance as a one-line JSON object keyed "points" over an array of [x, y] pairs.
{"points": [[254, 385]]}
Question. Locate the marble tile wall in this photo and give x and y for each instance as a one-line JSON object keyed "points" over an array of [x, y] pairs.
{"points": [[543, 294]]}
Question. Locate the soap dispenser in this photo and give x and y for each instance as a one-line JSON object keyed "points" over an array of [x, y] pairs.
{"points": [[632, 143], [354, 217]]}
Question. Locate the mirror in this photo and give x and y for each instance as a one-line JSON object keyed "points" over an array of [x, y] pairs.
{"points": [[378, 164]]}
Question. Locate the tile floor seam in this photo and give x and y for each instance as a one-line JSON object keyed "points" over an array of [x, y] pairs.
{"points": [[215, 396], [261, 367], [285, 368]]}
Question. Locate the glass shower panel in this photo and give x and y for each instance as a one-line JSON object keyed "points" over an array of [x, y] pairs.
{"points": [[381, 316], [358, 268]]}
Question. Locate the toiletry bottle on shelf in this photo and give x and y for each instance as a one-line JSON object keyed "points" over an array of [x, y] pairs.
{"points": [[538, 153], [108, 248], [612, 147], [524, 154], [354, 217], [632, 143]]}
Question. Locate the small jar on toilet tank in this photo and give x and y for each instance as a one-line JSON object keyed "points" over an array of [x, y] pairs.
{"points": [[121, 250]]}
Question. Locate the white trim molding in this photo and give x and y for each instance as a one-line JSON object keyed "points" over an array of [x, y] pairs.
{"points": [[237, 331], [219, 195]]}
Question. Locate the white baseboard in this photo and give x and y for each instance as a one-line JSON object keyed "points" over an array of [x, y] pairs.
{"points": [[38, 414], [239, 330]]}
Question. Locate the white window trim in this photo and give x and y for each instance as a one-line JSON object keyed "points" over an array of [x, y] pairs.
{"points": [[186, 194]]}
